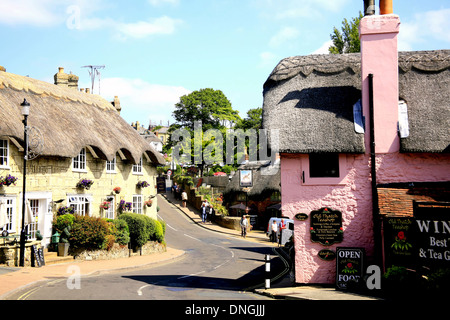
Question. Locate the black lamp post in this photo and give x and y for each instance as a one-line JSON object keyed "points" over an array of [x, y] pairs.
{"points": [[25, 112]]}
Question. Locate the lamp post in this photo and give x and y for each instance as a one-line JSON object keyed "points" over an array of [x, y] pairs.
{"points": [[25, 112]]}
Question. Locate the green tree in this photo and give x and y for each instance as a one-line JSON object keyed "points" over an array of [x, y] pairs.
{"points": [[252, 121], [346, 41]]}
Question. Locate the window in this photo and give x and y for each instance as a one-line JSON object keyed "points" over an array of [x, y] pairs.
{"points": [[4, 153], [109, 214], [33, 226], [137, 203], [324, 165], [9, 206], [137, 168], [79, 162], [111, 166], [324, 169], [80, 204]]}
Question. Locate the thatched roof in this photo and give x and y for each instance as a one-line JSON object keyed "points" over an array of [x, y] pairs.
{"points": [[266, 180], [68, 120], [309, 99]]}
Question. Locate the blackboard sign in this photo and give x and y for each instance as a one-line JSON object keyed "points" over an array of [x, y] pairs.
{"points": [[161, 184], [37, 256], [349, 267], [327, 254], [326, 226]]}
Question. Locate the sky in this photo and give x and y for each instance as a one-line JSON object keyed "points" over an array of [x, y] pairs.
{"points": [[155, 51]]}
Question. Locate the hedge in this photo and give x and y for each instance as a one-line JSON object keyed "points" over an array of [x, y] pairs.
{"points": [[142, 229], [89, 233]]}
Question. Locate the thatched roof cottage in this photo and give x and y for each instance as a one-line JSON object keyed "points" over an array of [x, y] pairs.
{"points": [[353, 123]]}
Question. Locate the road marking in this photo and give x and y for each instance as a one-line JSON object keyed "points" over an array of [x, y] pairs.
{"points": [[192, 237]]}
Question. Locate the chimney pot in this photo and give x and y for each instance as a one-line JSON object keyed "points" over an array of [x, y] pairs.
{"points": [[88, 90], [2, 68], [60, 70], [386, 7], [369, 7]]}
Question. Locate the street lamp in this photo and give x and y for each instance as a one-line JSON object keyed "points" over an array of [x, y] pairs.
{"points": [[25, 112]]}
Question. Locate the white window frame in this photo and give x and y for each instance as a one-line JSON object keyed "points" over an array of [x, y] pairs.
{"points": [[111, 166], [81, 204], [34, 225], [137, 168], [11, 212], [138, 203], [79, 162], [109, 214], [5, 158]]}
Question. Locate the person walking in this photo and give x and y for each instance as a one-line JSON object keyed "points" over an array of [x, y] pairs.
{"points": [[274, 229], [184, 198], [204, 207], [244, 226]]}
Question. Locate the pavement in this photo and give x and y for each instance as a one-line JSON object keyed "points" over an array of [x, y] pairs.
{"points": [[13, 279]]}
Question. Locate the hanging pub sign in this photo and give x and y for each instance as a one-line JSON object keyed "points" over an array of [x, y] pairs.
{"points": [[349, 267], [398, 241], [245, 178], [326, 226], [161, 184], [432, 233]]}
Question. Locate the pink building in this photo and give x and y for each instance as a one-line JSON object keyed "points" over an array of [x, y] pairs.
{"points": [[321, 106]]}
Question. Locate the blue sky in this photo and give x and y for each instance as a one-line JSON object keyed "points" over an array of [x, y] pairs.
{"points": [[155, 51]]}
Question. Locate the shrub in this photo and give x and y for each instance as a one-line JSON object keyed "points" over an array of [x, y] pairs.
{"points": [[89, 233], [137, 226], [62, 222], [122, 232]]}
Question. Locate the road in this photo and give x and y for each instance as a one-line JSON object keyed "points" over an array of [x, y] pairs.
{"points": [[215, 267]]}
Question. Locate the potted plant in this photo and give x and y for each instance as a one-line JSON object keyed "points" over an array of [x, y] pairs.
{"points": [[148, 203], [117, 190], [124, 206], [65, 210], [63, 245], [8, 180], [85, 184], [104, 205]]}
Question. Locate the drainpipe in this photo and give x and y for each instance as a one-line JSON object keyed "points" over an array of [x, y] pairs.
{"points": [[375, 211]]}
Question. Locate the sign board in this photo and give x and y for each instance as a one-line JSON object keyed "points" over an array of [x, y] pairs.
{"points": [[398, 241], [245, 178], [37, 256], [327, 254], [161, 184], [349, 267], [326, 226], [169, 172], [432, 234], [301, 216]]}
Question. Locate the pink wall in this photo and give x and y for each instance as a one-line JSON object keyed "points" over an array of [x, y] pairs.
{"points": [[351, 193]]}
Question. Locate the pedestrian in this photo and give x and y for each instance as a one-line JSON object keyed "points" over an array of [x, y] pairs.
{"points": [[210, 213], [281, 227], [273, 229], [184, 198], [204, 211], [244, 226]]}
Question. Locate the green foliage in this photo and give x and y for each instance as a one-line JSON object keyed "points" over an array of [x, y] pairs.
{"points": [[62, 222], [252, 121], [89, 233], [121, 232], [142, 229], [347, 41]]}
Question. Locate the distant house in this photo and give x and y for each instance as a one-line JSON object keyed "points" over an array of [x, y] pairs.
{"points": [[321, 107], [83, 137], [149, 136], [264, 193], [163, 134]]}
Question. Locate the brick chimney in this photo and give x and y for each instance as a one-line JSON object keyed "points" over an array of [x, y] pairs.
{"points": [[379, 56], [66, 80], [2, 68], [116, 104]]}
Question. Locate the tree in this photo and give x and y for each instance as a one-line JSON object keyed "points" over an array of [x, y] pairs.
{"points": [[348, 40], [209, 106], [253, 120]]}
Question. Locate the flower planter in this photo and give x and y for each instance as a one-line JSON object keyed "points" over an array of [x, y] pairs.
{"points": [[63, 249]]}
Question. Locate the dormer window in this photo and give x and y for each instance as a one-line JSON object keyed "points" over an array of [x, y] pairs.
{"points": [[4, 154], [111, 166], [79, 162], [137, 168]]}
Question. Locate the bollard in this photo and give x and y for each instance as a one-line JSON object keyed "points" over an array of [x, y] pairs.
{"points": [[267, 260]]}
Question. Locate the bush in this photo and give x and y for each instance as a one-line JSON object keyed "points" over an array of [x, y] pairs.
{"points": [[142, 229], [62, 222], [89, 233], [122, 232], [137, 226]]}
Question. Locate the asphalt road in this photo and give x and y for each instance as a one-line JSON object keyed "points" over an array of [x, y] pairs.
{"points": [[215, 267]]}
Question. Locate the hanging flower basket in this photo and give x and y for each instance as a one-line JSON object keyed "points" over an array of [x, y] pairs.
{"points": [[124, 206], [117, 190], [8, 180], [148, 203], [105, 205], [85, 184], [142, 184]]}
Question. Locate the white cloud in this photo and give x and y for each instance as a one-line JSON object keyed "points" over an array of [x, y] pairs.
{"points": [[267, 59], [29, 12], [426, 26], [162, 2], [141, 100], [323, 48], [142, 29], [285, 34]]}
